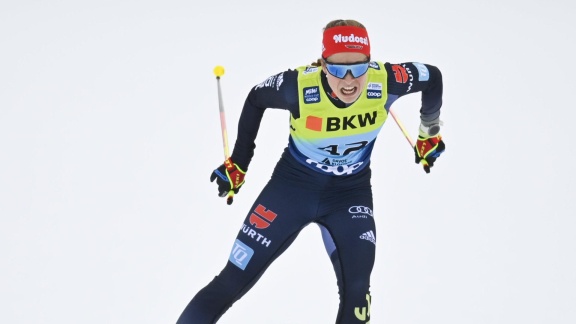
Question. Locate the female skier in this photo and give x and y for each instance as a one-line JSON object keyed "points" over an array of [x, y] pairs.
{"points": [[337, 107]]}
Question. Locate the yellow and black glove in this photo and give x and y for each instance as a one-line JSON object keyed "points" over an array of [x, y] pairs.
{"points": [[429, 146], [229, 177]]}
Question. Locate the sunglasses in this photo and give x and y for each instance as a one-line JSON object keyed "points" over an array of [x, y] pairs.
{"points": [[340, 70]]}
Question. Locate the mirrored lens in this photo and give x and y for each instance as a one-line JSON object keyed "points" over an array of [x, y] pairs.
{"points": [[340, 70]]}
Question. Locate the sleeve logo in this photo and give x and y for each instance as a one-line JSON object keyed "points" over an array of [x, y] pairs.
{"points": [[423, 74]]}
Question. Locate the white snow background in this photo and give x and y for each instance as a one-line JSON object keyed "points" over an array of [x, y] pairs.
{"points": [[109, 130]]}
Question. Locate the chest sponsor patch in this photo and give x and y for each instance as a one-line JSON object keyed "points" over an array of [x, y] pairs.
{"points": [[310, 69], [311, 95], [374, 90]]}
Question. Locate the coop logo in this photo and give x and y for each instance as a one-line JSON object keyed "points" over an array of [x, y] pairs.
{"points": [[335, 169], [261, 217], [362, 210], [374, 94], [255, 235], [374, 90], [241, 254], [311, 95]]}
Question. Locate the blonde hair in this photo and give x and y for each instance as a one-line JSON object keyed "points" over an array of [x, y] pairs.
{"points": [[338, 23]]}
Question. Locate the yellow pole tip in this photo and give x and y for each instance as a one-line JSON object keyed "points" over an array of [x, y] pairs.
{"points": [[219, 70]]}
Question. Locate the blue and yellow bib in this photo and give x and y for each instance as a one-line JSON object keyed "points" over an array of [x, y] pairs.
{"points": [[334, 140]]}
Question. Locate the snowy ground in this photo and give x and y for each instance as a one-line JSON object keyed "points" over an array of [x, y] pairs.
{"points": [[109, 130]]}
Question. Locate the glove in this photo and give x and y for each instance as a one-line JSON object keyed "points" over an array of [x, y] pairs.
{"points": [[428, 149], [229, 178]]}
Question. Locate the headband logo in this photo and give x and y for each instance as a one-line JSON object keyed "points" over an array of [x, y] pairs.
{"points": [[350, 39]]}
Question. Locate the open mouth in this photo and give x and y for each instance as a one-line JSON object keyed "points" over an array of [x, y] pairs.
{"points": [[348, 91]]}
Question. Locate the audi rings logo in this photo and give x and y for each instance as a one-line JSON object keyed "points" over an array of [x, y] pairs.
{"points": [[360, 210]]}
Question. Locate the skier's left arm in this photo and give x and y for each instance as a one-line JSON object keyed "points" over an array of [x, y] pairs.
{"points": [[414, 77]]}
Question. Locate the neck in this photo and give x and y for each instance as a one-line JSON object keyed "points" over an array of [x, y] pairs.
{"points": [[331, 94]]}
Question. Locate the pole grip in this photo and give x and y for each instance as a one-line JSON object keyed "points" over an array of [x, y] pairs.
{"points": [[408, 138]]}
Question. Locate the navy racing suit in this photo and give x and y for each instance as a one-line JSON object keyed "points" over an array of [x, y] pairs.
{"points": [[334, 193]]}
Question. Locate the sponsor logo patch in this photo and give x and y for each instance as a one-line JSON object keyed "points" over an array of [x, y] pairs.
{"points": [[271, 82], [369, 236], [423, 74], [310, 69], [350, 39], [279, 81], [374, 86], [314, 123], [311, 95], [400, 73], [351, 122], [343, 123], [374, 90], [403, 74], [241, 254], [355, 210], [255, 235], [335, 169], [262, 217], [374, 94], [363, 313]]}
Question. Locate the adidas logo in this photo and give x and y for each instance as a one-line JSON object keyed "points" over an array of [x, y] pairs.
{"points": [[369, 236]]}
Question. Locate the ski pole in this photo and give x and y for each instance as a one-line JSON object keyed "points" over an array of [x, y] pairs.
{"points": [[219, 71], [410, 141]]}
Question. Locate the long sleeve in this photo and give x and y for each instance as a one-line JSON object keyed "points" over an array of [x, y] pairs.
{"points": [[411, 77], [278, 91]]}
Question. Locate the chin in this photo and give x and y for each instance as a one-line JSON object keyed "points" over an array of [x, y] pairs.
{"points": [[348, 99]]}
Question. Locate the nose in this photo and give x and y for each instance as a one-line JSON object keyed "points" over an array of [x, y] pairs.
{"points": [[348, 76]]}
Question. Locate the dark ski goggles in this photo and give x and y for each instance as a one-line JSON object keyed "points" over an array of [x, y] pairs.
{"points": [[340, 70]]}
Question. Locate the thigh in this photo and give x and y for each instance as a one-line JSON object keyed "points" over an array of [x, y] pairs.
{"points": [[277, 216], [350, 230]]}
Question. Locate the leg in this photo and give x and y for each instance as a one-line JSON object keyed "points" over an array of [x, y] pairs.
{"points": [[349, 234], [268, 230]]}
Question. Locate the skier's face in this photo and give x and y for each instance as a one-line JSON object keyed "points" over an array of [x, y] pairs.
{"points": [[346, 74]]}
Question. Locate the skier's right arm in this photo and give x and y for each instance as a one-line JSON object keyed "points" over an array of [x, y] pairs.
{"points": [[278, 91]]}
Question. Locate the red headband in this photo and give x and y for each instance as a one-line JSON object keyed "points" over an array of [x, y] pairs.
{"points": [[345, 39]]}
